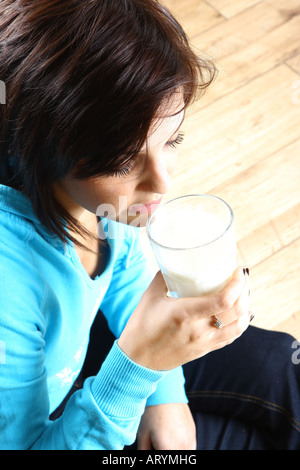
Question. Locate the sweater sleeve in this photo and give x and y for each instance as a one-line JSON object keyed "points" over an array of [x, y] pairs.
{"points": [[105, 414], [131, 277]]}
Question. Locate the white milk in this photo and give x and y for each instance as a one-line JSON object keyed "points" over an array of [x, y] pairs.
{"points": [[184, 285], [208, 260]]}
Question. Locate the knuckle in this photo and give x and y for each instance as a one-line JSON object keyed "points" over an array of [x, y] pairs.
{"points": [[225, 301], [194, 336], [181, 317]]}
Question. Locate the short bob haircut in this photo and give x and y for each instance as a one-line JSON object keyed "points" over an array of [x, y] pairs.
{"points": [[84, 81]]}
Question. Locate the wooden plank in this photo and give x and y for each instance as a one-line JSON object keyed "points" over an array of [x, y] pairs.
{"points": [[265, 192], [288, 224], [195, 16], [234, 133], [294, 63], [239, 32], [265, 240], [291, 325], [230, 8], [239, 68], [289, 8], [259, 245], [275, 293]]}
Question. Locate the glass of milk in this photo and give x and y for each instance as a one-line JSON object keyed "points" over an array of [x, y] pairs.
{"points": [[194, 244]]}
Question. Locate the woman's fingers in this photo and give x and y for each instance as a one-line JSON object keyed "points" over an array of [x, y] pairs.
{"points": [[216, 304], [164, 332], [231, 332], [240, 307]]}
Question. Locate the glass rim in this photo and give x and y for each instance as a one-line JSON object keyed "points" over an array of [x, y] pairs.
{"points": [[152, 240]]}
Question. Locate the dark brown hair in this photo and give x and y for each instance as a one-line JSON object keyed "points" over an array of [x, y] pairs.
{"points": [[84, 81]]}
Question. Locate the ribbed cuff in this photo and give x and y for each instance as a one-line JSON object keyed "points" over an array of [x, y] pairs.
{"points": [[121, 387], [170, 389]]}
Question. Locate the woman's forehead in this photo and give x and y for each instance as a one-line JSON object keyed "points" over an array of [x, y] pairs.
{"points": [[170, 119]]}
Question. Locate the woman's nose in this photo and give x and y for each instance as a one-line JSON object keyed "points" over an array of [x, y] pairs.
{"points": [[158, 176]]}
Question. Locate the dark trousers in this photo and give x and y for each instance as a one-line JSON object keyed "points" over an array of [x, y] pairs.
{"points": [[245, 396]]}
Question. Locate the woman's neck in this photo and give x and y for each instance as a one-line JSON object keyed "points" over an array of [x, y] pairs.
{"points": [[91, 252]]}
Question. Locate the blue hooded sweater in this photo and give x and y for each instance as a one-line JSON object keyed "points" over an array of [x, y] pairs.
{"points": [[47, 305]]}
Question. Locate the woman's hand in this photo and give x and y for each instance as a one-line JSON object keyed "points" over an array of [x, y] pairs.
{"points": [[167, 427], [164, 333]]}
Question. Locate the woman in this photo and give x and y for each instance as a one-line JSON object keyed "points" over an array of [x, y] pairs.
{"points": [[96, 94]]}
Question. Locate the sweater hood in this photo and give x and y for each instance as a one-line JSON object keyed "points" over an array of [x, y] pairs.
{"points": [[15, 202]]}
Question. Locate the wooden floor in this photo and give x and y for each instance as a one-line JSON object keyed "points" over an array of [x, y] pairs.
{"points": [[242, 140]]}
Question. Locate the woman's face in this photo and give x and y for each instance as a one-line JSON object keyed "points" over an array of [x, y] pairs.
{"points": [[133, 193]]}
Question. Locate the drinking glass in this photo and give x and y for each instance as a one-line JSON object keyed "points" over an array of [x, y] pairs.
{"points": [[194, 243]]}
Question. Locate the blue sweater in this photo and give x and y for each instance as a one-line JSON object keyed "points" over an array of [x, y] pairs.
{"points": [[47, 306]]}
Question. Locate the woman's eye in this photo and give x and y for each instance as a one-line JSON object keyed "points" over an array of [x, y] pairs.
{"points": [[179, 139], [123, 171]]}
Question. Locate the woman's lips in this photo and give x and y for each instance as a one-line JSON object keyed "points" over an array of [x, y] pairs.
{"points": [[146, 207]]}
